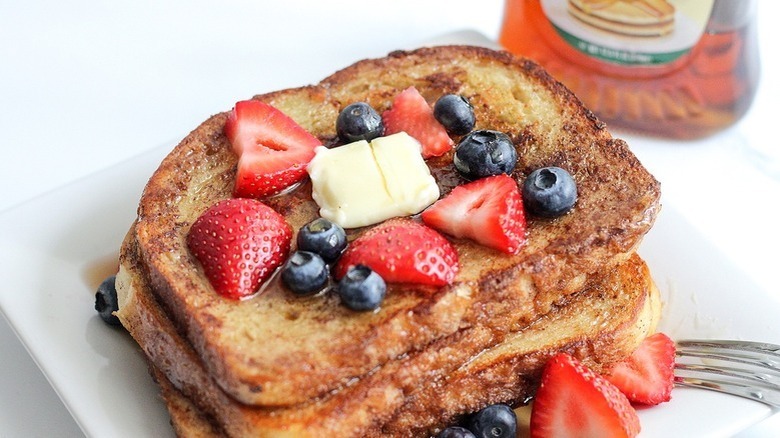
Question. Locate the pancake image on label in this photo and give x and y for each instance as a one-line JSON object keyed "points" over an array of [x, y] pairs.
{"points": [[627, 17]]}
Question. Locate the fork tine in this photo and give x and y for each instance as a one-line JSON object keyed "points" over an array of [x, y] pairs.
{"points": [[770, 379], [757, 393], [762, 355], [764, 348], [755, 374]]}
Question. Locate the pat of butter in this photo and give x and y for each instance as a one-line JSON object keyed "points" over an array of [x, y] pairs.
{"points": [[363, 183]]}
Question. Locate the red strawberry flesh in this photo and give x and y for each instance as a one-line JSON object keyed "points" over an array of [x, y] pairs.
{"points": [[488, 210], [572, 400], [647, 376], [273, 149], [411, 113], [403, 251], [239, 243]]}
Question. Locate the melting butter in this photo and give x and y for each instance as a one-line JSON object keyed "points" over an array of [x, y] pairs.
{"points": [[364, 183]]}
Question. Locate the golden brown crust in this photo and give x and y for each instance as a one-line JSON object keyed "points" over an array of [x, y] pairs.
{"points": [[599, 326], [186, 419], [275, 349], [411, 396]]}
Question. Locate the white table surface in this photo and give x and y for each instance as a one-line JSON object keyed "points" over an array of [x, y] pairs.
{"points": [[78, 79]]}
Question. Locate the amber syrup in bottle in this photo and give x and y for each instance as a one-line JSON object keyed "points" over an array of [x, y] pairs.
{"points": [[675, 69]]}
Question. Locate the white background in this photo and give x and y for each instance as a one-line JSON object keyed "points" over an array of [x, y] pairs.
{"points": [[88, 84]]}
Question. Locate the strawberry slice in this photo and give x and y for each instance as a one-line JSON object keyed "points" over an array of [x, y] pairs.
{"points": [[403, 251], [272, 149], [411, 113], [647, 376], [574, 401], [239, 242], [488, 210]]}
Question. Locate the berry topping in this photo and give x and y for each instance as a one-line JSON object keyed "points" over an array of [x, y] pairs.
{"points": [[488, 211], [305, 273], [359, 121], [494, 421], [362, 289], [483, 153], [549, 192], [106, 302], [322, 237], [455, 113], [647, 376], [574, 401], [239, 242], [272, 149], [411, 113], [455, 432], [403, 251]]}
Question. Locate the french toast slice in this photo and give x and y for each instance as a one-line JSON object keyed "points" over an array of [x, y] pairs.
{"points": [[275, 349], [411, 396]]}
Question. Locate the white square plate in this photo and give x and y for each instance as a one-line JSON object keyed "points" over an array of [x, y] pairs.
{"points": [[58, 247]]}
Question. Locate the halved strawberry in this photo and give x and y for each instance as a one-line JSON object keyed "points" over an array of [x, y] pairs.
{"points": [[647, 376], [488, 210], [239, 242], [574, 401], [411, 113], [273, 150], [403, 251]]}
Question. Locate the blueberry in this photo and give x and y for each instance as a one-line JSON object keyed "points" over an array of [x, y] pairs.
{"points": [[455, 432], [106, 301], [323, 237], [549, 192], [494, 421], [362, 288], [359, 121], [483, 153], [455, 113], [305, 273]]}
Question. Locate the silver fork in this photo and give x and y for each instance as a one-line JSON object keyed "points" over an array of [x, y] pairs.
{"points": [[741, 368]]}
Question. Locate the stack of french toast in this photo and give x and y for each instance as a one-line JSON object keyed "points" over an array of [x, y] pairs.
{"points": [[274, 363]]}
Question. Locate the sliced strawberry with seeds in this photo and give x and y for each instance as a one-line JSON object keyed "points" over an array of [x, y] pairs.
{"points": [[403, 251], [647, 376], [574, 401], [273, 150], [488, 211], [239, 242], [411, 113]]}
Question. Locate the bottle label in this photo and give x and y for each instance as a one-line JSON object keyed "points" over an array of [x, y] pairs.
{"points": [[630, 32]]}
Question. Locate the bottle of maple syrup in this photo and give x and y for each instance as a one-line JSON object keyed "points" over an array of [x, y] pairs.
{"points": [[672, 68]]}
